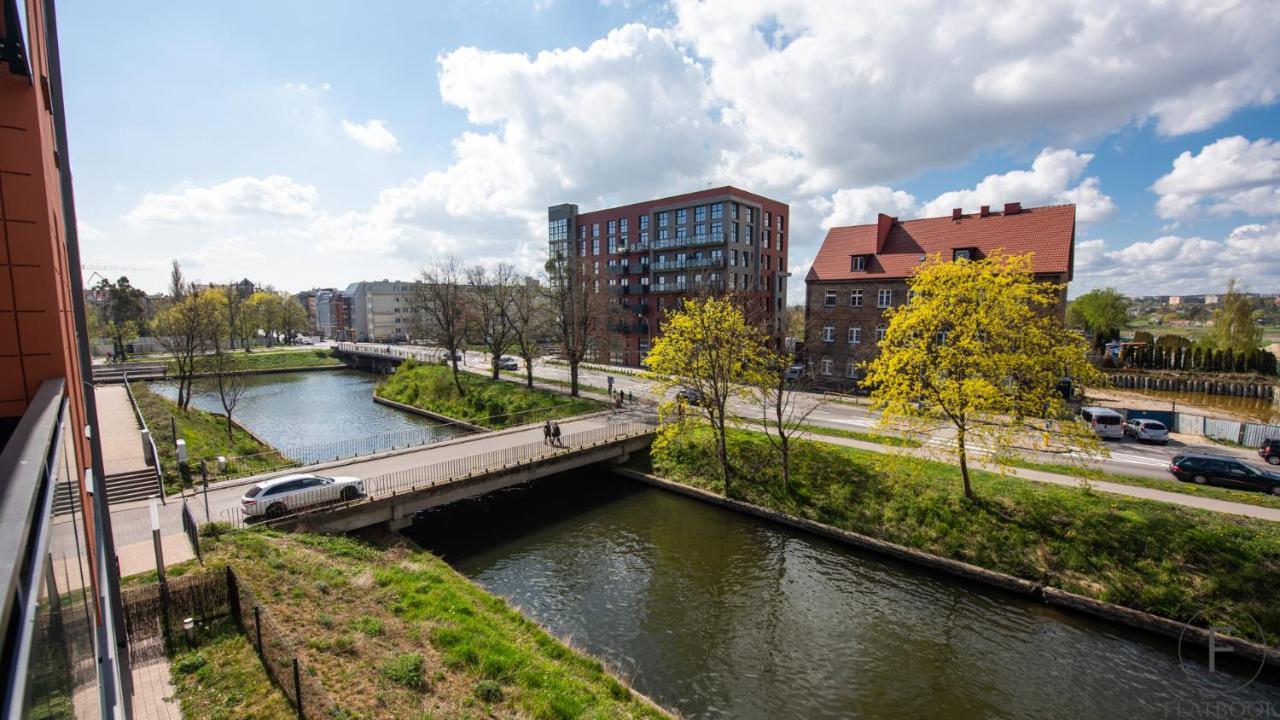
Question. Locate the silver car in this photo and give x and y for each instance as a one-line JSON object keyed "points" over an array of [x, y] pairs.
{"points": [[1147, 431], [278, 496]]}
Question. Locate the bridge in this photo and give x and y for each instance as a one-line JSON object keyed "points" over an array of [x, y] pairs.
{"points": [[376, 357], [462, 470]]}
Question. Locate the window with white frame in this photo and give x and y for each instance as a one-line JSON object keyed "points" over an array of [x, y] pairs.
{"points": [[884, 298], [851, 368], [855, 335], [857, 263], [855, 298], [829, 298], [828, 333], [826, 366], [880, 331]]}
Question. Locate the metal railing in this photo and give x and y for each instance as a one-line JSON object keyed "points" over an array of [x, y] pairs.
{"points": [[690, 241], [448, 471], [151, 442], [688, 264]]}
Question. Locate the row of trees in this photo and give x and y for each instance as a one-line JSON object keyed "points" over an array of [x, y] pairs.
{"points": [[1197, 357], [978, 349]]}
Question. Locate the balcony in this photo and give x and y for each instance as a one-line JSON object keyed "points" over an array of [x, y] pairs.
{"points": [[620, 269], [690, 241], [688, 264], [629, 328]]}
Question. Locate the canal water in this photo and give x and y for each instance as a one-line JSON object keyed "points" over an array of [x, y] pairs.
{"points": [[719, 615], [1255, 409], [289, 410]]}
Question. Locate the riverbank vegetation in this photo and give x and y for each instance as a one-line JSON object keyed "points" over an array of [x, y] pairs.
{"points": [[222, 679], [1156, 557], [395, 632], [492, 403], [206, 436], [262, 360]]}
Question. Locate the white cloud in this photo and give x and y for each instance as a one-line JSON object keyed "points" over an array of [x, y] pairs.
{"points": [[1231, 174], [373, 134], [1249, 253], [275, 195]]}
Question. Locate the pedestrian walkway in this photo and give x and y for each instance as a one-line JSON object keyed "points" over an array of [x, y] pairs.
{"points": [[121, 442], [153, 693]]}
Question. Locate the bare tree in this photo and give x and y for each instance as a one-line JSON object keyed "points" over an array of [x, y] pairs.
{"points": [[530, 322], [223, 363], [440, 307], [578, 310], [183, 330], [784, 411], [233, 311], [492, 293], [178, 288]]}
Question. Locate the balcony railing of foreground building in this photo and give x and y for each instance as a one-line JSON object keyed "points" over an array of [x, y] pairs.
{"points": [[688, 264], [47, 606], [689, 287], [627, 268], [690, 241], [629, 328], [629, 289]]}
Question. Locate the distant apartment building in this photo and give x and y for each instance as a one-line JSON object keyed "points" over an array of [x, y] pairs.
{"points": [[862, 270], [381, 310], [647, 257], [308, 300], [62, 633], [333, 315]]}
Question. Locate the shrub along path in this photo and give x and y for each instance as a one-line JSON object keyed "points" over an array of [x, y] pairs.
{"points": [[1157, 557]]}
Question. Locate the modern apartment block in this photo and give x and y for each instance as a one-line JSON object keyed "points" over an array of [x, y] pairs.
{"points": [[381, 310], [333, 315], [649, 256], [862, 270], [61, 629]]}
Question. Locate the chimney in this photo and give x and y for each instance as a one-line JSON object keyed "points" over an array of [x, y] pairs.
{"points": [[1012, 208], [984, 211], [957, 213], [884, 224]]}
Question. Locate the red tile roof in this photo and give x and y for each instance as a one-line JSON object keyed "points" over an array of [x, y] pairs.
{"points": [[1047, 231]]}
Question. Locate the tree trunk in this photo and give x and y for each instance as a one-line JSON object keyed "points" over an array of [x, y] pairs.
{"points": [[964, 464], [786, 464], [573, 377], [456, 380], [528, 372], [230, 437], [494, 361], [722, 448]]}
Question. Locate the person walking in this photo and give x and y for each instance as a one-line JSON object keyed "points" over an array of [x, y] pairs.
{"points": [[555, 434], [546, 433], [631, 398]]}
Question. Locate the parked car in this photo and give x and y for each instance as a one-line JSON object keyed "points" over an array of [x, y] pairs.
{"points": [[795, 372], [693, 396], [1224, 470], [1144, 430], [1108, 423], [506, 362], [1270, 450], [275, 497], [443, 356]]}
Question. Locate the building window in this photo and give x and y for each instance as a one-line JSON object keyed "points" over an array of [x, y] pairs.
{"points": [[717, 230], [733, 258], [828, 333], [644, 222], [700, 213], [857, 263], [961, 254], [911, 295], [700, 230], [779, 241], [884, 299], [880, 331], [851, 368], [750, 236], [662, 219], [582, 232], [595, 246], [595, 230], [779, 223], [717, 211], [613, 245], [829, 298], [644, 237], [765, 239], [767, 218], [582, 247], [682, 216], [622, 226], [733, 232], [941, 337], [733, 211], [855, 298], [826, 366], [855, 335], [613, 227]]}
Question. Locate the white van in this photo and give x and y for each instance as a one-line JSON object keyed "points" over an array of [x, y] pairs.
{"points": [[1108, 423]]}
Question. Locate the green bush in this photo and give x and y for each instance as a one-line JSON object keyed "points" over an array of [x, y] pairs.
{"points": [[489, 691], [405, 670], [368, 625]]}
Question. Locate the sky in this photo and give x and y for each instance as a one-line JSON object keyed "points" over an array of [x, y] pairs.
{"points": [[313, 144]]}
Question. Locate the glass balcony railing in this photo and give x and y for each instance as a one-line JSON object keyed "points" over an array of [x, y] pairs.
{"points": [[690, 241], [688, 264]]}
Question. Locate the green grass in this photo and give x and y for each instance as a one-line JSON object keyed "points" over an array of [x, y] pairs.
{"points": [[1147, 555], [891, 440], [206, 436], [1170, 485], [260, 359], [444, 647], [493, 404], [222, 679]]}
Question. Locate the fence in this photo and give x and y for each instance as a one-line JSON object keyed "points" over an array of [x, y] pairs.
{"points": [[153, 614], [1233, 431], [153, 454], [461, 468], [192, 530]]}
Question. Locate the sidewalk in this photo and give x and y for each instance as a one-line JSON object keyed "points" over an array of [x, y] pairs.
{"points": [[121, 441]]}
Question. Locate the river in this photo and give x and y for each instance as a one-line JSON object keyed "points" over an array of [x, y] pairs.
{"points": [[289, 410], [719, 615]]}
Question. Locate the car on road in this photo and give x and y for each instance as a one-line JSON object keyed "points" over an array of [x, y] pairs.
{"points": [[1224, 470], [278, 496], [795, 372], [443, 356], [506, 362], [1144, 430], [693, 396], [1270, 450], [1108, 423]]}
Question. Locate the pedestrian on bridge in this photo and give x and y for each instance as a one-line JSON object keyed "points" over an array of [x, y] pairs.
{"points": [[555, 434], [546, 432]]}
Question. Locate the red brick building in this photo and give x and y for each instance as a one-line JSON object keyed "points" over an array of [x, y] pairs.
{"points": [[649, 256], [862, 270]]}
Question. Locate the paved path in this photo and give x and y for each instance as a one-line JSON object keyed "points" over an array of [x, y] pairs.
{"points": [[121, 442]]}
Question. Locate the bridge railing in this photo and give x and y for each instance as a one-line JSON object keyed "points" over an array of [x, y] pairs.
{"points": [[448, 471]]}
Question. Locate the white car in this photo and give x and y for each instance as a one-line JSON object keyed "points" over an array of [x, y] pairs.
{"points": [[1147, 430], [275, 497], [1107, 423]]}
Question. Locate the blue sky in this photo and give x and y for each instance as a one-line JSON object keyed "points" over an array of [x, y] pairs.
{"points": [[315, 144]]}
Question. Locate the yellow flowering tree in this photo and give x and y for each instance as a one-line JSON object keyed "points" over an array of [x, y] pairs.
{"points": [[980, 348], [708, 347]]}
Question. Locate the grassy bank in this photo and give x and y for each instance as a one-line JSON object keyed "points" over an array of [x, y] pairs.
{"points": [[493, 404], [261, 360], [206, 436], [222, 679], [396, 632], [1151, 556]]}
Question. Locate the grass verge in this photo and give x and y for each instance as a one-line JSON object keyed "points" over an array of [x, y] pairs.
{"points": [[206, 436], [1169, 485], [493, 404], [582, 387], [890, 440], [395, 632], [1156, 557], [222, 679]]}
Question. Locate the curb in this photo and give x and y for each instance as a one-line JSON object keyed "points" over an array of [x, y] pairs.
{"points": [[1046, 594], [428, 414]]}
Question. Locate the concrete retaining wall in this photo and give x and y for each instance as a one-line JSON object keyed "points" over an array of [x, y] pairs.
{"points": [[428, 414]]}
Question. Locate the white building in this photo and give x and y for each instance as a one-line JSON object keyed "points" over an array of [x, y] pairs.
{"points": [[381, 310]]}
